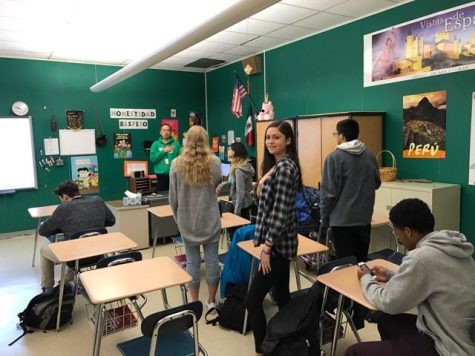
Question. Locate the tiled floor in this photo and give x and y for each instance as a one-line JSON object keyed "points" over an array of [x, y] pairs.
{"points": [[19, 282]]}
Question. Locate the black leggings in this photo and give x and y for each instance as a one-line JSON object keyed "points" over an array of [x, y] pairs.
{"points": [[278, 280]]}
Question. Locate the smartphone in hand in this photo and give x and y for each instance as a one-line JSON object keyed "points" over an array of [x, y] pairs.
{"points": [[362, 264]]}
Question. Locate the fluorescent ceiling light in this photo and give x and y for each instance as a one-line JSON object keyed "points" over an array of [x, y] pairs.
{"points": [[228, 17]]}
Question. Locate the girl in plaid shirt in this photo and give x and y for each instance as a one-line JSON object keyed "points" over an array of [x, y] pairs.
{"points": [[276, 224]]}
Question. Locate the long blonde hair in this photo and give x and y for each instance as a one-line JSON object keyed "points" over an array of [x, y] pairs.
{"points": [[194, 163]]}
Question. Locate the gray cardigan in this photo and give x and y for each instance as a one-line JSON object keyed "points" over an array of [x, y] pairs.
{"points": [[195, 209]]}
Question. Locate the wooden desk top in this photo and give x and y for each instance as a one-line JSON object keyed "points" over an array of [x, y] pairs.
{"points": [[72, 250], [112, 283], [231, 220], [306, 246], [379, 221], [227, 220], [161, 211], [345, 281], [42, 211]]}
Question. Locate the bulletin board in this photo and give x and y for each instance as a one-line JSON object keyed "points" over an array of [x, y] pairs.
{"points": [[77, 142]]}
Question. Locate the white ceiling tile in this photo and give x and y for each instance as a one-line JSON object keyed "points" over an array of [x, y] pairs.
{"points": [[265, 42], [255, 27], [323, 20], [359, 8], [209, 46], [314, 4], [282, 13], [291, 32], [231, 37], [243, 50]]}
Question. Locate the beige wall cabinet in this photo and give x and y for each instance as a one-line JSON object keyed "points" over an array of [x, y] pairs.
{"points": [[443, 200], [315, 139], [132, 221]]}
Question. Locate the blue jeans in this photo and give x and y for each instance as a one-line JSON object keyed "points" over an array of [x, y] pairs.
{"points": [[193, 263]]}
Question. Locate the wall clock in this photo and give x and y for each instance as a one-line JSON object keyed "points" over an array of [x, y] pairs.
{"points": [[20, 108]]}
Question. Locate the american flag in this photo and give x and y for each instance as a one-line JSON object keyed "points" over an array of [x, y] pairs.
{"points": [[239, 93]]}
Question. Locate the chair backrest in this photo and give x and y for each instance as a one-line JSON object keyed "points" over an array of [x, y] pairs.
{"points": [[122, 258], [88, 261], [337, 264], [172, 322], [88, 233], [175, 322]]}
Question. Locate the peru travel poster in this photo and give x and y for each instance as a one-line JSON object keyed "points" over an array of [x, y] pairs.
{"points": [[424, 125], [440, 43]]}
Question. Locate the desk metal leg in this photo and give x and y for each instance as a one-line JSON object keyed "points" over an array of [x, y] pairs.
{"points": [[165, 299], [251, 274], [61, 292], [154, 244], [297, 274], [36, 242], [184, 295], [337, 324], [98, 329]]}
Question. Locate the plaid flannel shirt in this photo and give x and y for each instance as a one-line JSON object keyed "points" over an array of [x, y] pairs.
{"points": [[276, 218]]}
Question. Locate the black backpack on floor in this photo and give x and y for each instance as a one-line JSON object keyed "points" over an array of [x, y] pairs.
{"points": [[293, 330], [42, 310], [230, 313]]}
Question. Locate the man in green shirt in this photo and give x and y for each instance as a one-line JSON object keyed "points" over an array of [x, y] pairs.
{"points": [[162, 153]]}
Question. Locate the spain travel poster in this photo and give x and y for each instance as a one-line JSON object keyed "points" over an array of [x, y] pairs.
{"points": [[424, 125], [440, 43]]}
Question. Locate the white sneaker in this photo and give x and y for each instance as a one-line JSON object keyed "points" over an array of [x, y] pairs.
{"points": [[210, 305]]}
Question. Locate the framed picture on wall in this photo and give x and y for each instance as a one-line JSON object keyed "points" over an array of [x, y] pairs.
{"points": [[135, 166], [85, 172]]}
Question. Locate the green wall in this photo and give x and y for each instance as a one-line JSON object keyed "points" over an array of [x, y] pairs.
{"points": [[65, 86], [324, 73]]}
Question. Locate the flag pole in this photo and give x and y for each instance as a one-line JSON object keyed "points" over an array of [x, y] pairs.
{"points": [[248, 94]]}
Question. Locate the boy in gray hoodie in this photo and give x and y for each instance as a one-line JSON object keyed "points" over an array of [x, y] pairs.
{"points": [[437, 276], [349, 180]]}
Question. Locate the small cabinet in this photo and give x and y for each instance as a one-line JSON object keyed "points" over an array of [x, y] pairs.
{"points": [[140, 185], [132, 221], [442, 198]]}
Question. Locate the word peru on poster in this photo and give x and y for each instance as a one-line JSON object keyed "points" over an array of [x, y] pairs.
{"points": [[424, 125], [440, 43]]}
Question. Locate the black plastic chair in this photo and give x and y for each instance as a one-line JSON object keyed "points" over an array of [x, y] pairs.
{"points": [[89, 261], [115, 260], [388, 254], [166, 333], [330, 299]]}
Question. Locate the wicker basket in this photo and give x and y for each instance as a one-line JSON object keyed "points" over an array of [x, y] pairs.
{"points": [[388, 174]]}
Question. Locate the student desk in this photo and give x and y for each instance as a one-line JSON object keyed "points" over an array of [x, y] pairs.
{"points": [[118, 282], [345, 282], [227, 220], [39, 213], [72, 250], [306, 246]]}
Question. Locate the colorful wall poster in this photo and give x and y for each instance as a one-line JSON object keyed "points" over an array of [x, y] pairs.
{"points": [[122, 145], [440, 43], [174, 125], [471, 165], [424, 125], [85, 172]]}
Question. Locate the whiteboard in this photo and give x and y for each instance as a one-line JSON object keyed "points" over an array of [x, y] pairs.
{"points": [[77, 142], [17, 154]]}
